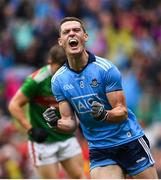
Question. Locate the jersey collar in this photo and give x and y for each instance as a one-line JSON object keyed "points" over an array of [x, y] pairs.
{"points": [[91, 59]]}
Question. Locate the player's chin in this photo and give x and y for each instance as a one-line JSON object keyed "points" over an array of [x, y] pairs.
{"points": [[74, 51], [77, 50]]}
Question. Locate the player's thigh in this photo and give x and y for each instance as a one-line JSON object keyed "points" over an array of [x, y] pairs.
{"points": [[74, 166], [107, 172], [44, 158], [149, 173], [70, 155], [43, 153], [68, 149], [49, 171]]}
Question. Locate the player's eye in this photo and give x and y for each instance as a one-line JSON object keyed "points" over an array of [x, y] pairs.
{"points": [[65, 32], [77, 30]]}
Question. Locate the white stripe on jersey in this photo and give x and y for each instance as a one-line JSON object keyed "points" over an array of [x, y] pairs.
{"points": [[103, 62], [147, 149], [59, 72], [83, 96], [43, 75], [100, 66]]}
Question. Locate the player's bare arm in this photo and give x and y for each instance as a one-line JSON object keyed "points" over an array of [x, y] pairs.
{"points": [[118, 112], [68, 122], [16, 107]]}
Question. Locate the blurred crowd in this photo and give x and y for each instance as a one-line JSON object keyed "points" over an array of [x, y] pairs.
{"points": [[127, 32]]}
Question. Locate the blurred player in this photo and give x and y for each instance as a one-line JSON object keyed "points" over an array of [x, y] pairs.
{"points": [[46, 147], [91, 86]]}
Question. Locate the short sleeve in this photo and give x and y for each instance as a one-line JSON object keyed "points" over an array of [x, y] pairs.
{"points": [[113, 80], [29, 87], [56, 90]]}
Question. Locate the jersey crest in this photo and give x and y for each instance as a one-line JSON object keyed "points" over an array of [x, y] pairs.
{"points": [[94, 83]]}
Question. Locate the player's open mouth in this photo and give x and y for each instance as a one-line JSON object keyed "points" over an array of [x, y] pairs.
{"points": [[73, 42]]}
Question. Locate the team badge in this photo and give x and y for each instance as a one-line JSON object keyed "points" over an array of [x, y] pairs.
{"points": [[94, 83]]}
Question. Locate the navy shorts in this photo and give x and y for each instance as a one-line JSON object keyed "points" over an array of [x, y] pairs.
{"points": [[133, 157]]}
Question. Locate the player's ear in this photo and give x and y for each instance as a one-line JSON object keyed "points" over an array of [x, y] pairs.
{"points": [[59, 41], [49, 61], [85, 36]]}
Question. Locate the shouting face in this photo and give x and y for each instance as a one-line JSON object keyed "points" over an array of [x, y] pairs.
{"points": [[72, 37]]}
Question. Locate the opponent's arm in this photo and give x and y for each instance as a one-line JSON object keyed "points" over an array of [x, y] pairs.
{"points": [[118, 112], [16, 108], [67, 122]]}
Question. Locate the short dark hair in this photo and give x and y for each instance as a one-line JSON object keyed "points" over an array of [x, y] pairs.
{"points": [[72, 19], [57, 54]]}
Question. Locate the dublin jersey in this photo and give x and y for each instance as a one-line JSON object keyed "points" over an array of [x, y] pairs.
{"points": [[37, 88], [97, 78]]}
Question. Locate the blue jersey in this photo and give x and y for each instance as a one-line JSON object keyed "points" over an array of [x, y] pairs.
{"points": [[97, 78]]}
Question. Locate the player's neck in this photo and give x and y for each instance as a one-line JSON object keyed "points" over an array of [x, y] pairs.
{"points": [[78, 62], [54, 67]]}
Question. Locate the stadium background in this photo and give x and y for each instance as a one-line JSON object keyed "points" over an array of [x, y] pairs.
{"points": [[128, 32]]}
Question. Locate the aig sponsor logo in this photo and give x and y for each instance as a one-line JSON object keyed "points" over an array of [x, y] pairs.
{"points": [[68, 87], [83, 103]]}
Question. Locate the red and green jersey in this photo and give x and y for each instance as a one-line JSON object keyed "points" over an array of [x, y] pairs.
{"points": [[37, 88]]}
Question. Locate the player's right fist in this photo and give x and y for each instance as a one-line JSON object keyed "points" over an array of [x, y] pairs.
{"points": [[38, 134], [51, 117]]}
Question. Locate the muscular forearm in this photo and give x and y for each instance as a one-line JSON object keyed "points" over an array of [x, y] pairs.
{"points": [[18, 113], [67, 125], [117, 114]]}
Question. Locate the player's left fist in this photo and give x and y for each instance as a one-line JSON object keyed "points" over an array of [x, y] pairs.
{"points": [[98, 111]]}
